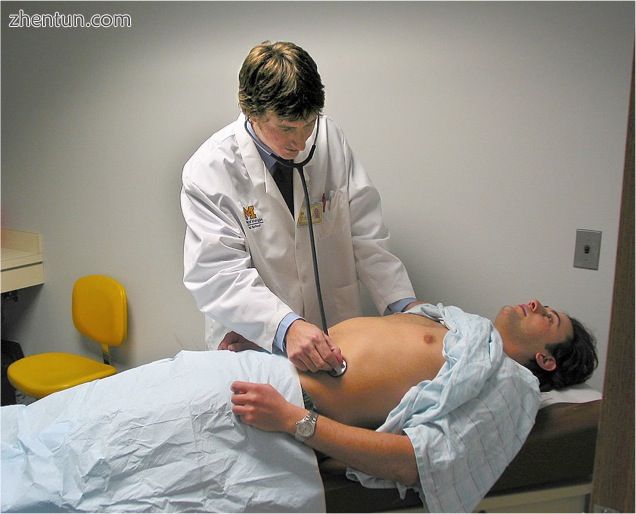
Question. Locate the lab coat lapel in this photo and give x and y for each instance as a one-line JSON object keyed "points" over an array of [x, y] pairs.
{"points": [[258, 173], [254, 165]]}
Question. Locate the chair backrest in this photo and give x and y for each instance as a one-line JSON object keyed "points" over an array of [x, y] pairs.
{"points": [[100, 309]]}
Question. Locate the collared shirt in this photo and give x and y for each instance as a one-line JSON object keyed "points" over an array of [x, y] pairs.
{"points": [[279, 340], [264, 151]]}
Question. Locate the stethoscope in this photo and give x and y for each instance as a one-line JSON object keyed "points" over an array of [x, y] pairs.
{"points": [[300, 166]]}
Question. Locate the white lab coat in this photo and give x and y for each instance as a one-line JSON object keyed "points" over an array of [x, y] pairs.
{"points": [[248, 262]]}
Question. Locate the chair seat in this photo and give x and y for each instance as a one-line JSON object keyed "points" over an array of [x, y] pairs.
{"points": [[46, 373]]}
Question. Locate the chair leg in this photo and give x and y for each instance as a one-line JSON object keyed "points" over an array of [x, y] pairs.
{"points": [[106, 354]]}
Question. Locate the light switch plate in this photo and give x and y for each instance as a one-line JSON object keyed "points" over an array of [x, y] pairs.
{"points": [[587, 249]]}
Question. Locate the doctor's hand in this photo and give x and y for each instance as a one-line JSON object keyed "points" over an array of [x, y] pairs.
{"points": [[310, 349], [236, 343], [412, 304], [263, 407]]}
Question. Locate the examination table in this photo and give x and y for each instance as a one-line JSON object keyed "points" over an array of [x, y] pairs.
{"points": [[558, 455]]}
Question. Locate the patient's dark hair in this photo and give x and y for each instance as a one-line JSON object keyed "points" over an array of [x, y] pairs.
{"points": [[575, 358]]}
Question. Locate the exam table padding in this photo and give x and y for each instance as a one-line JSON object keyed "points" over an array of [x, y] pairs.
{"points": [[558, 451]]}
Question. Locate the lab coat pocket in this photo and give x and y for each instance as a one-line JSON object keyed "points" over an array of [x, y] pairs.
{"points": [[334, 218]]}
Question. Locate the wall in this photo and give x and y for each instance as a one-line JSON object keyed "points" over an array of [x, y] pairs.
{"points": [[492, 130]]}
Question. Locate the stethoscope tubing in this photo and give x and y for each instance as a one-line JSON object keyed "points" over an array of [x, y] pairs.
{"points": [[314, 257], [300, 166]]}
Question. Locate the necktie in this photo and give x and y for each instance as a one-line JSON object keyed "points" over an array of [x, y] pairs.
{"points": [[284, 178]]}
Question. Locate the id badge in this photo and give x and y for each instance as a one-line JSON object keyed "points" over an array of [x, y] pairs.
{"points": [[316, 215]]}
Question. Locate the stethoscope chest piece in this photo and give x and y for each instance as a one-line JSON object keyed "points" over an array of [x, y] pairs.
{"points": [[338, 372]]}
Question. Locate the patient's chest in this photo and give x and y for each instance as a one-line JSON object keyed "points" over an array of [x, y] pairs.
{"points": [[386, 357]]}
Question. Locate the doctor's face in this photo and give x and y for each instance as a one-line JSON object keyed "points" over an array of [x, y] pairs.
{"points": [[286, 138]]}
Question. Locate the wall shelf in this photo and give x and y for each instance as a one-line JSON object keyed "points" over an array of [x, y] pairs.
{"points": [[22, 263]]}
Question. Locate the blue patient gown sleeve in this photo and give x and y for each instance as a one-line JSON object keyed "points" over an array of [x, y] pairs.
{"points": [[469, 422], [161, 437]]}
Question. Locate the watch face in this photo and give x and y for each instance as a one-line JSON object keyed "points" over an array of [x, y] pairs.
{"points": [[305, 429]]}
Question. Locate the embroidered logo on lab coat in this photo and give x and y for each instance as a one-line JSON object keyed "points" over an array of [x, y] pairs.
{"points": [[252, 220]]}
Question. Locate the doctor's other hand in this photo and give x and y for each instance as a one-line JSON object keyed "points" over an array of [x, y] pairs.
{"points": [[412, 304], [310, 349], [263, 407], [236, 343]]}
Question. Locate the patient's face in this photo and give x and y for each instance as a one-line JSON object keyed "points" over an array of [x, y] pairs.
{"points": [[527, 328]]}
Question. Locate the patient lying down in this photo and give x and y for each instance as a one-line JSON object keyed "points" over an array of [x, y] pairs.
{"points": [[388, 356], [441, 384]]}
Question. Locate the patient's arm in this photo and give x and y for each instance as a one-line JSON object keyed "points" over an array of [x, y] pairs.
{"points": [[388, 456], [383, 455]]}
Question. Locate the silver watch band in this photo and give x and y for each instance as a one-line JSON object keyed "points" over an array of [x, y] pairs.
{"points": [[306, 427]]}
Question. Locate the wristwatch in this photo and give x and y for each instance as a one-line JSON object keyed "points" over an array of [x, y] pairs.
{"points": [[306, 427]]}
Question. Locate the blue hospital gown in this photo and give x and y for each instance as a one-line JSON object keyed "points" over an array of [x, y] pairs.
{"points": [[467, 424], [158, 438]]}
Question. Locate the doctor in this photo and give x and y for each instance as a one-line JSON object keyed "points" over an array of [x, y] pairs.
{"points": [[247, 256]]}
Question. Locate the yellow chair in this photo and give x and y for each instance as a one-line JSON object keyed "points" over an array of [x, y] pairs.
{"points": [[100, 312]]}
